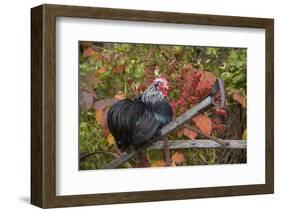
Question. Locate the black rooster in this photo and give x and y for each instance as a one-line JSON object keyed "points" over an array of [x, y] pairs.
{"points": [[135, 122]]}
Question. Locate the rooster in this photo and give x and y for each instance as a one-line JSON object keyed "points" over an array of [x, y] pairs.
{"points": [[135, 122]]}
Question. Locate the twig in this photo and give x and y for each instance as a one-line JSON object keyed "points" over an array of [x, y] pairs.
{"points": [[219, 141], [86, 155], [83, 156]]}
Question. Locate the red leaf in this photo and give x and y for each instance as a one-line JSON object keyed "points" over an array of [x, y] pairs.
{"points": [[219, 111], [193, 99], [129, 81], [207, 79], [141, 88], [197, 83], [204, 123], [188, 77], [189, 133]]}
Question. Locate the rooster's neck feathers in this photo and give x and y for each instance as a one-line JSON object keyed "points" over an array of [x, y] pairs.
{"points": [[152, 95]]}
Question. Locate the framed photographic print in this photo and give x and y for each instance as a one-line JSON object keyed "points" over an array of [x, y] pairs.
{"points": [[136, 106]]}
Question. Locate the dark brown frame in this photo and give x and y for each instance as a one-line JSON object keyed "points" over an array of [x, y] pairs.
{"points": [[43, 105]]}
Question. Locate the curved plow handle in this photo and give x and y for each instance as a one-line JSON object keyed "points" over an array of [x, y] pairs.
{"points": [[219, 87]]}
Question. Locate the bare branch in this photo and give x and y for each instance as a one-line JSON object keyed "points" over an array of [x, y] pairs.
{"points": [[205, 143]]}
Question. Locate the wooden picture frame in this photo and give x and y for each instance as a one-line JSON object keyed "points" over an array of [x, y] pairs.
{"points": [[43, 105]]}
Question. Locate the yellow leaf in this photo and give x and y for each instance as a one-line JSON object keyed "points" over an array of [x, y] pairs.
{"points": [[244, 135], [110, 139], [120, 95]]}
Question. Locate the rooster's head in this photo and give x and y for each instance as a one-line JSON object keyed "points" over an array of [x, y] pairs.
{"points": [[161, 84]]}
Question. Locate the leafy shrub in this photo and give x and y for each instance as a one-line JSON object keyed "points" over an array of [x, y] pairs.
{"points": [[110, 72]]}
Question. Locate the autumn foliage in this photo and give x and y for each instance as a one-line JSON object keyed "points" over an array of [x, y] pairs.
{"points": [[110, 72]]}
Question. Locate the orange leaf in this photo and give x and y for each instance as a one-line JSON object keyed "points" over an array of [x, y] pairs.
{"points": [[87, 52], [239, 98], [158, 163], [90, 52], [178, 158], [110, 139], [189, 133], [104, 122], [100, 71], [118, 68], [99, 114], [204, 123]]}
